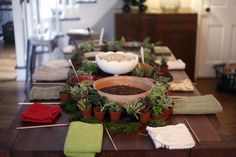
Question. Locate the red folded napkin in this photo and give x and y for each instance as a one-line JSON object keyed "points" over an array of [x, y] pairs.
{"points": [[40, 113]]}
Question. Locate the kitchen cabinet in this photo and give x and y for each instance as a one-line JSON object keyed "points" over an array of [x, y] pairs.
{"points": [[177, 30]]}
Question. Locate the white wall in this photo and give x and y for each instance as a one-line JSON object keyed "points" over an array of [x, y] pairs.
{"points": [[96, 16], [19, 33], [155, 4]]}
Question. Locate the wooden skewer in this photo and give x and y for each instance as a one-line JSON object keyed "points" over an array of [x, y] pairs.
{"points": [[195, 135], [110, 137], [177, 97], [46, 103], [73, 68], [41, 126], [48, 83]]}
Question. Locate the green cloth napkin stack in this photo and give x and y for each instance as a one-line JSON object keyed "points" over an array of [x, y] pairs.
{"points": [[83, 139], [206, 104]]}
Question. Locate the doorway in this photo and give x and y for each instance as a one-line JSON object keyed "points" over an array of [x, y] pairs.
{"points": [[217, 36]]}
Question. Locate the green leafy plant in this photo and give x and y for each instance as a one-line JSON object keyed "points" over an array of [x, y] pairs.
{"points": [[147, 43], [161, 103], [86, 47], [157, 109], [148, 55], [80, 91], [116, 45], [158, 90], [143, 72], [122, 127], [157, 123], [163, 61], [134, 108], [89, 67], [84, 104], [69, 106], [114, 107], [91, 120]]}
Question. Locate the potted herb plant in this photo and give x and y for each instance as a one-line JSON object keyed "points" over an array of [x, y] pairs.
{"points": [[80, 94], [133, 109], [99, 102], [163, 65], [99, 112], [162, 109], [85, 107], [65, 94], [168, 108], [114, 111], [145, 114]]}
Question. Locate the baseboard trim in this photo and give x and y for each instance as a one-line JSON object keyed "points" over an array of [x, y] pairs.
{"points": [[20, 67]]}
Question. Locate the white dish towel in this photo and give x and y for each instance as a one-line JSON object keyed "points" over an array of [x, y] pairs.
{"points": [[171, 137], [176, 65]]}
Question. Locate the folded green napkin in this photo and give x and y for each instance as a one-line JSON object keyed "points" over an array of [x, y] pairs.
{"points": [[45, 93], [83, 139], [206, 104]]}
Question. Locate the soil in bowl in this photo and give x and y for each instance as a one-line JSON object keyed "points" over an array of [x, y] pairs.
{"points": [[122, 90]]}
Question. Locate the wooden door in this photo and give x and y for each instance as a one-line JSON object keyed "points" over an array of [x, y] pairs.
{"points": [[217, 37]]}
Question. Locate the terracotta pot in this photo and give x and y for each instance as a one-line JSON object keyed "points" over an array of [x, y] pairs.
{"points": [[86, 112], [64, 97], [115, 116], [144, 117], [157, 117], [164, 69], [142, 83], [167, 113], [97, 114]]}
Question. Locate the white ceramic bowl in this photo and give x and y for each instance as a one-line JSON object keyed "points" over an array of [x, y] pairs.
{"points": [[117, 67]]}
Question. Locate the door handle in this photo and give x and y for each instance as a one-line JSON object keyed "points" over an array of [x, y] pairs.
{"points": [[208, 9]]}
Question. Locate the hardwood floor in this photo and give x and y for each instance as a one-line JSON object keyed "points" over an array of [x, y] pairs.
{"points": [[11, 92], [227, 100]]}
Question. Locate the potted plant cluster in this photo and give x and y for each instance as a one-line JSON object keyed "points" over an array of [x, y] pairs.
{"points": [[85, 73], [161, 104], [80, 93], [115, 111], [116, 45]]}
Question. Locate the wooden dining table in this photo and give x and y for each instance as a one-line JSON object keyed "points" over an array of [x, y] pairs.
{"points": [[211, 138]]}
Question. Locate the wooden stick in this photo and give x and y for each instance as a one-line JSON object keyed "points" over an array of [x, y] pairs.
{"points": [[142, 54], [195, 135], [46, 103], [176, 97], [73, 68], [110, 137], [41, 126], [101, 36], [48, 83]]}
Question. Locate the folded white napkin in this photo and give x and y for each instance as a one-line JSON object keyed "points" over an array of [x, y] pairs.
{"points": [[50, 74], [171, 137], [176, 65], [57, 63], [181, 85]]}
